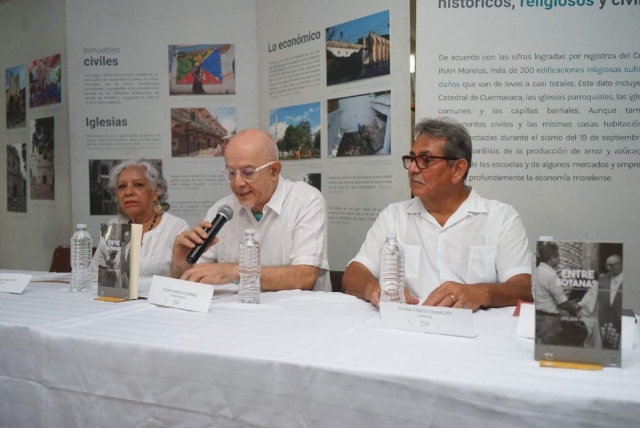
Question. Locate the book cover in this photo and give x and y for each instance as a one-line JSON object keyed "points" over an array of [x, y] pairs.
{"points": [[578, 300], [119, 260]]}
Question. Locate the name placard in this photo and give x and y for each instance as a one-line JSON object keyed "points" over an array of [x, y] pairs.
{"points": [[14, 282], [427, 319], [179, 294]]}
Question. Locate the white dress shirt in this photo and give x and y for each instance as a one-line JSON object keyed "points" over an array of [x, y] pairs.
{"points": [[548, 294], [484, 241], [292, 231]]}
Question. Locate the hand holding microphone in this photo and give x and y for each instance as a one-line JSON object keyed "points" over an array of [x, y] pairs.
{"points": [[225, 213]]}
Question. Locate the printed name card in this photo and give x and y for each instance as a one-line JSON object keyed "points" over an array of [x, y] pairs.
{"points": [[427, 319], [179, 294], [14, 282]]}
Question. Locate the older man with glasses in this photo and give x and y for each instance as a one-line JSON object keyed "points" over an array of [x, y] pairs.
{"points": [[290, 219], [461, 250]]}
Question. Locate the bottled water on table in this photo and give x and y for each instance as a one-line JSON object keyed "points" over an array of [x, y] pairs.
{"points": [[249, 268], [392, 271], [80, 259]]}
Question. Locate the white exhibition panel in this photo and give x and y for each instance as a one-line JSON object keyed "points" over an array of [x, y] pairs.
{"points": [[297, 359], [550, 92]]}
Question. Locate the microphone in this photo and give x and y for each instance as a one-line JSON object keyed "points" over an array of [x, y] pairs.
{"points": [[225, 213]]}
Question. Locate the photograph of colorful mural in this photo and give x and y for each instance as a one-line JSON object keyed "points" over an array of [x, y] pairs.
{"points": [[16, 83], [202, 70], [296, 131], [45, 81]]}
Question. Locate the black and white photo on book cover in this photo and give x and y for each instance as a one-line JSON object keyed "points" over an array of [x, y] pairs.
{"points": [[116, 257], [578, 299]]}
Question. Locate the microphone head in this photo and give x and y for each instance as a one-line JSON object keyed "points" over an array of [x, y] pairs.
{"points": [[226, 211]]}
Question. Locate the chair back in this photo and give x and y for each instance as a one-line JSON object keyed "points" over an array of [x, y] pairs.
{"points": [[336, 280], [61, 260]]}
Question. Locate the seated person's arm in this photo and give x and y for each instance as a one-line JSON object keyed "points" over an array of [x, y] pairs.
{"points": [[360, 282], [308, 255], [513, 264], [182, 246], [489, 295]]}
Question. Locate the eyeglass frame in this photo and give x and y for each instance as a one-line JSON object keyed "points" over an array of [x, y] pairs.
{"points": [[425, 158], [242, 174]]}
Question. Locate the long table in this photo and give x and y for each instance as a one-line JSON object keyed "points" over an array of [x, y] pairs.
{"points": [[299, 359]]}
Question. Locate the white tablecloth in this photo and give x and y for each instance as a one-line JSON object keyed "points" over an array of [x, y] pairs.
{"points": [[299, 359]]}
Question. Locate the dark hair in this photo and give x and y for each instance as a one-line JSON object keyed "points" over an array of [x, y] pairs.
{"points": [[458, 143], [546, 251]]}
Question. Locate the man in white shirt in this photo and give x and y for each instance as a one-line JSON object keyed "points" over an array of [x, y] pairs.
{"points": [[290, 219], [461, 250], [550, 297]]}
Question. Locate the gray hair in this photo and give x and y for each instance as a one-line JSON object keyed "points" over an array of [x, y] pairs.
{"points": [[458, 143], [151, 173]]}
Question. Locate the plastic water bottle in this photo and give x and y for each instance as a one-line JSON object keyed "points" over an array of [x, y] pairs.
{"points": [[80, 259], [392, 271], [249, 268]]}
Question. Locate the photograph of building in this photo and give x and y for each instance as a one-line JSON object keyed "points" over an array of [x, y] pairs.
{"points": [[296, 131], [45, 81], [197, 132], [101, 200], [358, 49], [15, 83], [202, 70], [360, 125], [17, 178], [41, 159]]}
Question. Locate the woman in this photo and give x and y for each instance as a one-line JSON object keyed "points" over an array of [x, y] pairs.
{"points": [[141, 197]]}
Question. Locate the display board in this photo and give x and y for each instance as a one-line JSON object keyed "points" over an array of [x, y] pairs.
{"points": [[163, 80], [335, 95], [550, 92]]}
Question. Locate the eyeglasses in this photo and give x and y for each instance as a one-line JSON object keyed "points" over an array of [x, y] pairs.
{"points": [[247, 174], [612, 264], [422, 161]]}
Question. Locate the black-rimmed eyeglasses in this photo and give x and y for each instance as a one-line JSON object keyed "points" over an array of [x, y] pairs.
{"points": [[422, 161]]}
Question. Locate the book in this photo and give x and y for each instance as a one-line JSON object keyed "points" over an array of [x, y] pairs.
{"points": [[119, 260], [578, 302]]}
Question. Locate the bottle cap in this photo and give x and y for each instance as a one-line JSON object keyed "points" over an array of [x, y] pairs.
{"points": [[546, 238], [391, 235], [250, 231], [81, 225]]}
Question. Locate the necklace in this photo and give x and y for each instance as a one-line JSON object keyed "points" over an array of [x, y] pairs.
{"points": [[153, 223]]}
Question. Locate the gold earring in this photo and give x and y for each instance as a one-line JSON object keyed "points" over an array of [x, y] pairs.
{"points": [[157, 208]]}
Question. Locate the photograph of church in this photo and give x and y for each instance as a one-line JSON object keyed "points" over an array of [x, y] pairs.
{"points": [[358, 49], [17, 178], [296, 131], [15, 83], [41, 159]]}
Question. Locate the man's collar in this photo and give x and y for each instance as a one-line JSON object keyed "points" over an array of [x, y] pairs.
{"points": [[473, 204], [277, 199]]}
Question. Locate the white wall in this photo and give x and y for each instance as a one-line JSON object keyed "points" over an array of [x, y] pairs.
{"points": [[29, 30]]}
